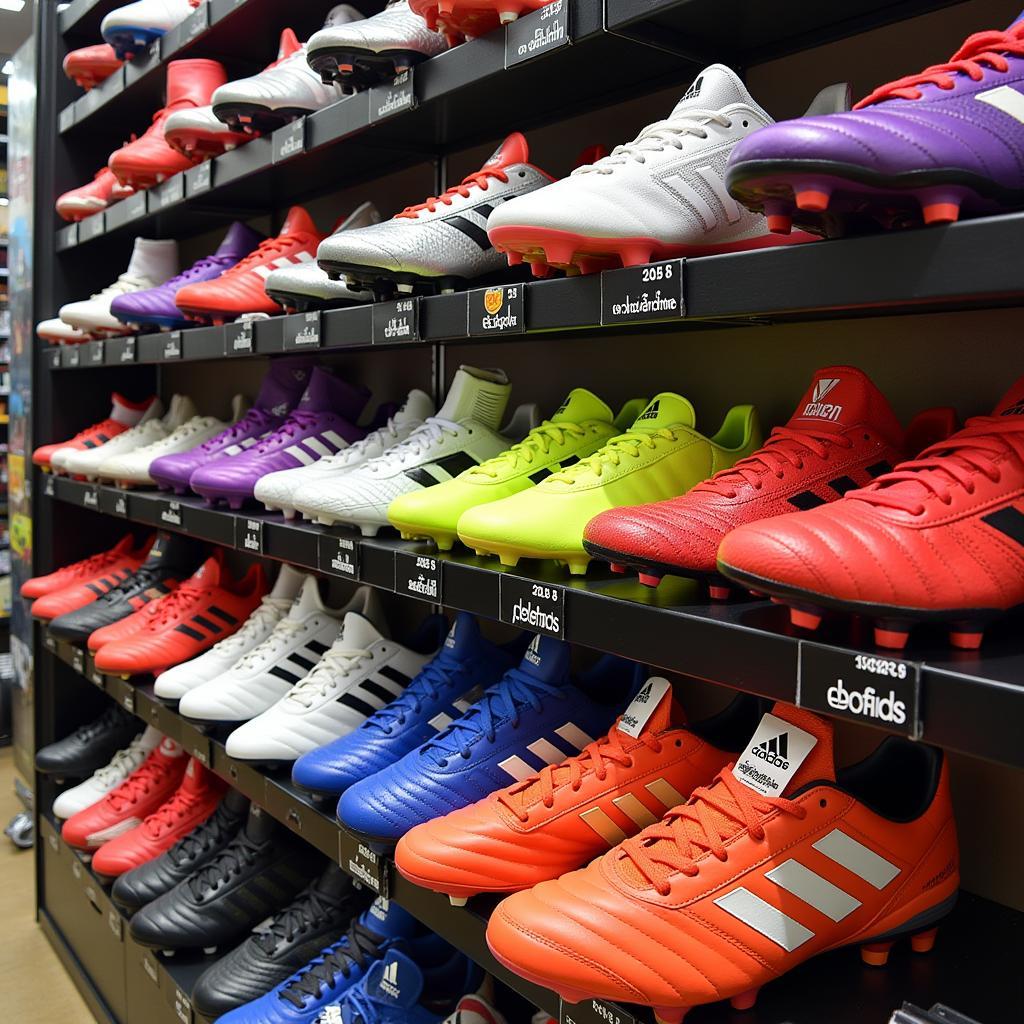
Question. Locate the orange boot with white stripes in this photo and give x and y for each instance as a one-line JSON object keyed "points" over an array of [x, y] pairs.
{"points": [[571, 812], [781, 858]]}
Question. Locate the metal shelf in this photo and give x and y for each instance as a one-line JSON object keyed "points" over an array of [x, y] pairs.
{"points": [[966, 701]]}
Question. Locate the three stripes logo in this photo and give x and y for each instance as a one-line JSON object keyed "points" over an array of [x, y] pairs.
{"points": [[310, 449], [839, 486], [695, 194], [775, 751], [300, 662], [546, 751], [640, 816], [370, 695], [283, 261], [440, 470], [107, 583], [473, 223], [389, 979], [810, 888], [203, 628]]}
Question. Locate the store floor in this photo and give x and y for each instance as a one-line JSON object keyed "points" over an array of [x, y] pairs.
{"points": [[35, 986]]}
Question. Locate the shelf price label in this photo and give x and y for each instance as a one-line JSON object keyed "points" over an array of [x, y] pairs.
{"points": [[134, 206], [67, 237], [182, 1006], [170, 514], [289, 141], [418, 576], [172, 346], [195, 24], [53, 356], [592, 1012], [867, 688], [71, 356], [249, 535], [338, 555], [388, 100], [643, 294], [90, 497], [170, 192], [396, 321], [94, 353], [539, 607], [363, 863], [91, 227], [238, 338], [302, 331], [49, 485], [199, 179], [498, 310], [537, 33]]}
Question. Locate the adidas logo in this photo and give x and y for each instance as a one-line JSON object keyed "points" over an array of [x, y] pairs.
{"points": [[694, 91], [389, 980], [651, 412], [775, 751], [532, 654], [379, 908], [1017, 409], [450, 639], [281, 409], [817, 406], [644, 695], [823, 387]]}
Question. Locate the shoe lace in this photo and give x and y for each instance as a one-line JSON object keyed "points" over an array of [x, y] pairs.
{"points": [[505, 700], [239, 853], [785, 447], [978, 49], [186, 430], [626, 445], [712, 815], [177, 603], [378, 440], [167, 815], [356, 949], [299, 421], [284, 632], [437, 676], [307, 911], [210, 832], [95, 563], [327, 675], [422, 439], [200, 267], [139, 783], [478, 179], [265, 616], [362, 1006], [948, 465], [537, 443], [264, 252], [655, 138], [254, 419], [121, 765]]}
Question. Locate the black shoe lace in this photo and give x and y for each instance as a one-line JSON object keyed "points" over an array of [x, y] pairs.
{"points": [[211, 832], [108, 720], [309, 910], [239, 853], [357, 948], [142, 579]]}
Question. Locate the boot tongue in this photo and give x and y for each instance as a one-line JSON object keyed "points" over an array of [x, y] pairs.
{"points": [[665, 410], [790, 748], [171, 750], [1012, 403], [715, 87], [395, 981], [653, 709], [194, 780], [298, 222], [464, 636], [236, 803], [357, 631], [283, 385], [239, 241], [546, 659], [308, 600], [208, 574], [479, 395], [288, 584], [327, 393], [582, 405], [259, 827], [418, 406], [361, 217], [333, 882], [845, 396], [341, 14], [288, 45], [514, 150], [128, 413], [387, 919]]}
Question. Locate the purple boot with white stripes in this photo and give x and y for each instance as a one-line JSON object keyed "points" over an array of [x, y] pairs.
{"points": [[320, 425], [282, 387]]}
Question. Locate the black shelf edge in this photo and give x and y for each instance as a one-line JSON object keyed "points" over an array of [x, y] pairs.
{"points": [[965, 701]]}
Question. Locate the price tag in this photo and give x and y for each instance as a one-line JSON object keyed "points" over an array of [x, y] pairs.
{"points": [[288, 141], [122, 350], [338, 555], [499, 310], [66, 118], [302, 330], [150, 967], [199, 179], [388, 100], [71, 356], [170, 192], [78, 660], [128, 699], [114, 921], [537, 33], [866, 688], [90, 497], [91, 227], [539, 607], [172, 346], [418, 576], [170, 513], [67, 237], [238, 338], [593, 1012], [93, 353], [396, 321], [643, 294], [249, 535], [195, 24], [53, 356], [113, 502], [135, 206], [49, 487], [199, 747], [364, 864], [182, 1006], [121, 505], [96, 678], [154, 50]]}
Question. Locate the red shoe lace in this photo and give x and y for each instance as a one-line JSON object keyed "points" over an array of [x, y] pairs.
{"points": [[95, 563], [784, 446], [607, 749], [948, 464], [981, 48], [167, 815], [176, 604], [479, 179], [101, 427], [712, 815], [265, 250], [138, 784]]}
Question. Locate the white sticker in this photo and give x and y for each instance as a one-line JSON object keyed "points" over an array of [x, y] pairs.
{"points": [[635, 717], [771, 759]]}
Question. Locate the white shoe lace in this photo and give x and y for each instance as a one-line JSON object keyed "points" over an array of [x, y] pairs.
{"points": [[122, 764], [383, 437], [422, 439], [263, 618], [655, 138], [189, 429], [122, 286], [285, 631], [326, 676]]}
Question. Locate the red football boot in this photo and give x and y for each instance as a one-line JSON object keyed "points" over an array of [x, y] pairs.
{"points": [[940, 539], [122, 809], [201, 611], [242, 289], [80, 583], [192, 803], [149, 160], [843, 435], [123, 414], [146, 606], [471, 18], [88, 199], [90, 65]]}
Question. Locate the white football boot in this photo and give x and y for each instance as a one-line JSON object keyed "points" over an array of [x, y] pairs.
{"points": [[153, 426], [152, 263], [658, 197], [56, 332], [130, 29], [288, 89], [179, 680], [193, 430], [463, 434], [107, 778], [362, 672], [263, 676], [308, 286], [441, 243], [376, 48], [279, 491]]}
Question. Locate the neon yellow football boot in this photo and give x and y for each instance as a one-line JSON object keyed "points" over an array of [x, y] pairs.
{"points": [[659, 457], [582, 424]]}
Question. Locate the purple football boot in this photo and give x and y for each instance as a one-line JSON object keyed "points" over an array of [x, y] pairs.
{"points": [[155, 307], [280, 392], [321, 424], [924, 149]]}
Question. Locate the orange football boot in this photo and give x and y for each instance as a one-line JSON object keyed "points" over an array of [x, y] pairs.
{"points": [[940, 539], [123, 414], [80, 583], [147, 604], [90, 65], [199, 612], [84, 201], [779, 859], [568, 814]]}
